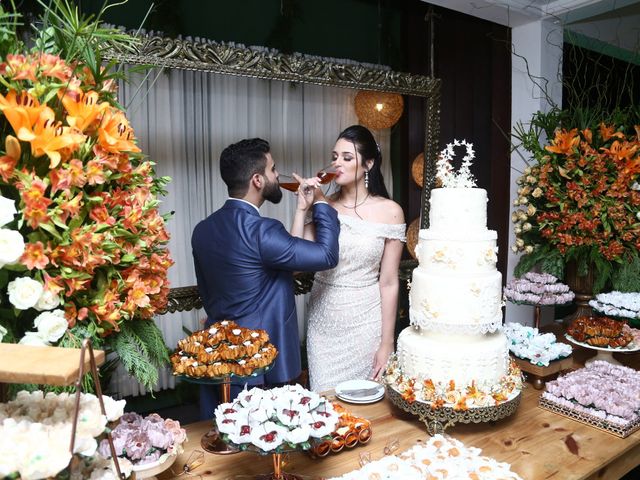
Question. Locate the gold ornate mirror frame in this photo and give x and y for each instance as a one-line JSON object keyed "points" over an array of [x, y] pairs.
{"points": [[237, 60]]}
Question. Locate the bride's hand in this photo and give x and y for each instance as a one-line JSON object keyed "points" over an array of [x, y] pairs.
{"points": [[380, 361]]}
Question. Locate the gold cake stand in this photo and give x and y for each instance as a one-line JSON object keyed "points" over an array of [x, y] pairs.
{"points": [[439, 419]]}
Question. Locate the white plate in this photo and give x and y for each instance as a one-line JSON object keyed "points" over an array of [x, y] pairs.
{"points": [[344, 391], [360, 402]]}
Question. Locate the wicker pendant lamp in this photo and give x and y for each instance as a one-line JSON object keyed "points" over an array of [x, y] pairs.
{"points": [[378, 110]]}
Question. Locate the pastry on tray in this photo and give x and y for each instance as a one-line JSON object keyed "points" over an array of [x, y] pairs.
{"points": [[600, 332], [223, 349]]}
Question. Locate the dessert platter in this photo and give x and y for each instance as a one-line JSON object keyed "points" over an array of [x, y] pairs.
{"points": [[438, 458], [538, 354], [606, 335], [223, 350], [276, 421], [218, 355], [578, 395], [452, 363]]}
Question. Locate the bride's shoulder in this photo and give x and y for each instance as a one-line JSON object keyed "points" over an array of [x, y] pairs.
{"points": [[389, 211]]}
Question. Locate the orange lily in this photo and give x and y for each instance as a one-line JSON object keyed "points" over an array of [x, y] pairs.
{"points": [[564, 142], [9, 161], [607, 132], [84, 109], [22, 111], [115, 134], [49, 137]]}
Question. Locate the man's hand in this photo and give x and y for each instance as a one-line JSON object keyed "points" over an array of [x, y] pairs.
{"points": [[308, 192]]}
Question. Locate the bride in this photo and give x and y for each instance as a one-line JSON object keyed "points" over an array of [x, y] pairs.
{"points": [[352, 309]]}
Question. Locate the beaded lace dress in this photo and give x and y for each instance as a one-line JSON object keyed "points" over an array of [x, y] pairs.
{"points": [[344, 315]]}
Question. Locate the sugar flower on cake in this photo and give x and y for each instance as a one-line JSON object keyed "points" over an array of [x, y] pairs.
{"points": [[269, 419], [538, 289], [445, 173], [528, 343], [617, 304]]}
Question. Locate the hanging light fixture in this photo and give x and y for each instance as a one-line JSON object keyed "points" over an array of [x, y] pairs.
{"points": [[378, 110]]}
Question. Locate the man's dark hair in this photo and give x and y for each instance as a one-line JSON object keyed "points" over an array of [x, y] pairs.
{"points": [[240, 161]]}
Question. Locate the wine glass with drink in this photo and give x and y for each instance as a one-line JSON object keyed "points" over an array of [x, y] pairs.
{"points": [[325, 175]]}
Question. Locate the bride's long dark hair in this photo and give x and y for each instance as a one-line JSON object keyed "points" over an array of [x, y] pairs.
{"points": [[368, 149]]}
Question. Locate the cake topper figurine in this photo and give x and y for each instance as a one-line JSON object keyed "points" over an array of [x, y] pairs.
{"points": [[445, 173]]}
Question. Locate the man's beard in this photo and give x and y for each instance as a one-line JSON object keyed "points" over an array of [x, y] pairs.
{"points": [[272, 192]]}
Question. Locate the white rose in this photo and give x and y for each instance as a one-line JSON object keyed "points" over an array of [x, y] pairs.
{"points": [[114, 408], [51, 325], [11, 246], [24, 292], [47, 301], [7, 210], [33, 338], [3, 332]]}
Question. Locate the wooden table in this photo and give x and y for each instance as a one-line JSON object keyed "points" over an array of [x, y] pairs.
{"points": [[538, 444]]}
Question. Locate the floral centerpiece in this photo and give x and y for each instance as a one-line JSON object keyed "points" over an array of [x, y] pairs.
{"points": [[145, 441], [82, 243], [579, 199], [277, 419], [35, 434]]}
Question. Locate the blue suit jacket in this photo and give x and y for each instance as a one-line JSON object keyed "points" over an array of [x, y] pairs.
{"points": [[244, 265]]}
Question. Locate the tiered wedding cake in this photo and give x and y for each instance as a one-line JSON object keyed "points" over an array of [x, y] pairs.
{"points": [[454, 353]]}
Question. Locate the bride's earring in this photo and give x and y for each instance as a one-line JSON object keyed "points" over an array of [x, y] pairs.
{"points": [[366, 179]]}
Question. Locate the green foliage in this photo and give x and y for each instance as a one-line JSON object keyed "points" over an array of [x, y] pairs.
{"points": [[627, 277], [142, 350]]}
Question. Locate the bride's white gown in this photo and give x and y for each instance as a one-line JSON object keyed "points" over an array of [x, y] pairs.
{"points": [[344, 326]]}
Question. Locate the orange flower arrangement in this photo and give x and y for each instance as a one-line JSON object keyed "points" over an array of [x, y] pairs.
{"points": [[75, 186], [580, 200]]}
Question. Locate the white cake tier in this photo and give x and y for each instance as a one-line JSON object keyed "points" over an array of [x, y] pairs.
{"points": [[471, 254], [459, 303], [458, 210], [483, 359]]}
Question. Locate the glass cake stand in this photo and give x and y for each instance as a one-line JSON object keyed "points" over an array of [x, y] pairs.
{"points": [[212, 440], [604, 353]]}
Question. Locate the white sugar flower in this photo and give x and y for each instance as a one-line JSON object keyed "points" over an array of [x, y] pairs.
{"points": [[7, 210], [11, 246], [24, 292], [3, 332], [268, 436], [114, 408], [298, 435], [47, 301], [51, 325]]}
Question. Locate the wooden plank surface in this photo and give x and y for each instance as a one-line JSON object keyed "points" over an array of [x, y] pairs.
{"points": [[42, 365], [537, 443]]}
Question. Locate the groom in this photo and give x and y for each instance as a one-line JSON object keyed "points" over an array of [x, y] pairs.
{"points": [[244, 262]]}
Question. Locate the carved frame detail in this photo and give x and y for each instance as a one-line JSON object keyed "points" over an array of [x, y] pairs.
{"points": [[230, 59]]}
